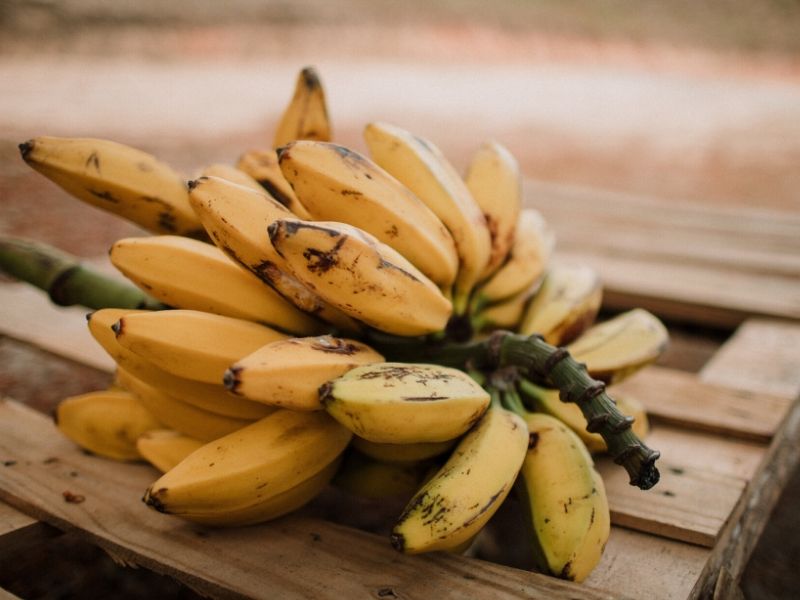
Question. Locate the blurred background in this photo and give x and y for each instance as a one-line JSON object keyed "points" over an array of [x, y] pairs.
{"points": [[673, 101]]}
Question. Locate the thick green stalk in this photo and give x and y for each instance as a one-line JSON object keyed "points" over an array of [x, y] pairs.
{"points": [[65, 280]]}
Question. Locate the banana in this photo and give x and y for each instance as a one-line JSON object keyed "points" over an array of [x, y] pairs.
{"points": [[401, 453], [495, 182], [338, 184], [530, 252], [565, 306], [369, 478], [116, 178], [288, 373], [362, 277], [403, 403], [178, 415], [262, 165], [237, 221], [212, 398], [507, 313], [564, 499], [306, 117], [548, 402], [616, 349], [232, 174], [186, 273], [192, 344], [107, 422], [258, 473], [463, 495], [165, 448], [421, 167]]}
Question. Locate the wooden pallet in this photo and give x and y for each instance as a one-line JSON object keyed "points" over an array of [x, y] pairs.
{"points": [[728, 435]]}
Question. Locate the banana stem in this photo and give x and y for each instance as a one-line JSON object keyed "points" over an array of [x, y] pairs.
{"points": [[512, 402], [555, 368], [65, 280]]}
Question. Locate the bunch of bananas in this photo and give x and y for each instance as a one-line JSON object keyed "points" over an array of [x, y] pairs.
{"points": [[342, 317]]}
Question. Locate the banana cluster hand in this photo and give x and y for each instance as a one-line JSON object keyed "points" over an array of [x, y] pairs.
{"points": [[311, 290]]}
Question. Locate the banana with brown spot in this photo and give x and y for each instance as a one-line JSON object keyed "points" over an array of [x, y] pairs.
{"points": [[494, 179], [106, 422], [564, 500], [237, 220], [262, 165], [185, 273], [116, 178], [232, 174], [404, 403], [306, 117], [361, 276], [258, 473], [338, 184], [289, 373], [565, 306], [458, 501], [422, 168]]}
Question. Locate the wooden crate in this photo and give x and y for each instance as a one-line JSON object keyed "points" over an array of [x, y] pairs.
{"points": [[728, 436]]}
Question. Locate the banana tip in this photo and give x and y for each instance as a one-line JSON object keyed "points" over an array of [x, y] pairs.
{"points": [[151, 498], [118, 327], [398, 541], [193, 183], [231, 378], [25, 148]]}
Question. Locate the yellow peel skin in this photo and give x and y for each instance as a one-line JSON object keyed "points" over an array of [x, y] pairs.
{"points": [[306, 117], [165, 448], [401, 453], [262, 165]]}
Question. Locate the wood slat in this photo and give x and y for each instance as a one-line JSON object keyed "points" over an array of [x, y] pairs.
{"points": [[19, 533], [681, 399], [294, 557], [711, 265]]}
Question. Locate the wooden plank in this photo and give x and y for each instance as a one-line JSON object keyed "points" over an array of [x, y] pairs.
{"points": [[707, 264], [640, 565], [688, 504], [294, 557], [682, 399], [761, 357]]}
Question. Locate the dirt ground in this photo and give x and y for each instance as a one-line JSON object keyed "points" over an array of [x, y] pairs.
{"points": [[686, 102]]}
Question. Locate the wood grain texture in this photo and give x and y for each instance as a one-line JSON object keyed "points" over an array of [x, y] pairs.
{"points": [[760, 352], [710, 265], [679, 398], [294, 557]]}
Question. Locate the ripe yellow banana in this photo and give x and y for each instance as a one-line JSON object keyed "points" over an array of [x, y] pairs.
{"points": [[548, 402], [263, 166], [494, 179], [401, 453], [116, 178], [237, 221], [404, 403], [564, 499], [306, 117], [369, 478], [205, 396], [464, 494], [505, 314], [362, 277], [421, 167], [107, 422], [616, 349], [178, 415], [288, 373], [338, 184], [565, 306], [530, 252], [258, 473], [165, 448], [186, 273], [192, 344], [232, 174]]}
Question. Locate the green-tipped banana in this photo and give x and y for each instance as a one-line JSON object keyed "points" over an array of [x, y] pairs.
{"points": [[457, 502], [403, 403]]}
